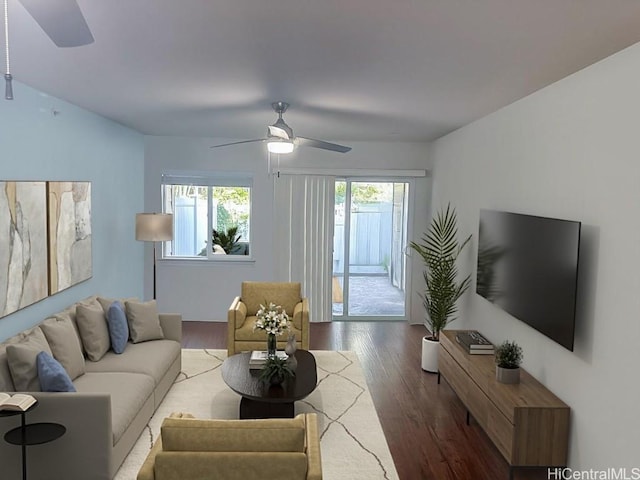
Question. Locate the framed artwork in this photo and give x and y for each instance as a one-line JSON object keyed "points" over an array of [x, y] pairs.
{"points": [[69, 213], [23, 245]]}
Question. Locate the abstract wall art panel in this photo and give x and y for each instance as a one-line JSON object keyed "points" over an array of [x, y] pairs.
{"points": [[70, 259], [23, 245]]}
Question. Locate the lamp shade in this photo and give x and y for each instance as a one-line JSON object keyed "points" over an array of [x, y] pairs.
{"points": [[154, 227]]}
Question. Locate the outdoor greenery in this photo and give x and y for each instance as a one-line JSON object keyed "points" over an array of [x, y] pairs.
{"points": [[508, 355], [224, 218], [364, 192], [439, 250], [227, 240]]}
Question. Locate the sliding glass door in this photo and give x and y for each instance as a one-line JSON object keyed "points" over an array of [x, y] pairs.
{"points": [[370, 236]]}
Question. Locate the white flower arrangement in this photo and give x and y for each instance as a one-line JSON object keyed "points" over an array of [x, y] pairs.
{"points": [[272, 319]]}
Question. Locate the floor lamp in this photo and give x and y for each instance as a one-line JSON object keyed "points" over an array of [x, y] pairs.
{"points": [[154, 227]]}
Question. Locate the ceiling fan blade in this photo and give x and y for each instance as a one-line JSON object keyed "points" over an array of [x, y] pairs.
{"points": [[61, 20], [278, 132], [238, 143], [310, 142]]}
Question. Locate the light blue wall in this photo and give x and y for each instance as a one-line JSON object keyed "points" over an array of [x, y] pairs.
{"points": [[74, 144]]}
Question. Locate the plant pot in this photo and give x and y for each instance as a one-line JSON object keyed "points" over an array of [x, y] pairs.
{"points": [[430, 349], [276, 380], [507, 375]]}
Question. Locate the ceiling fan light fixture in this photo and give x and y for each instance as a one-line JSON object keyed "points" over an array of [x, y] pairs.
{"points": [[279, 145], [8, 88]]}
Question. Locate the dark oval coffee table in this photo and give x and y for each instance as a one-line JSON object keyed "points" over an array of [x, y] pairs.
{"points": [[261, 400]]}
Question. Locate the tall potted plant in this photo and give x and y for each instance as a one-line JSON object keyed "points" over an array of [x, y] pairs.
{"points": [[439, 249]]}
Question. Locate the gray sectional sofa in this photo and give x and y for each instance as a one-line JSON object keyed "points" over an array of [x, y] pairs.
{"points": [[116, 394]]}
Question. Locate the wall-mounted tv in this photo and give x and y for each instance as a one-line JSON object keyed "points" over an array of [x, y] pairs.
{"points": [[528, 266]]}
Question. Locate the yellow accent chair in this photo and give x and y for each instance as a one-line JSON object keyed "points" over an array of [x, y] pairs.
{"points": [[265, 449], [242, 315]]}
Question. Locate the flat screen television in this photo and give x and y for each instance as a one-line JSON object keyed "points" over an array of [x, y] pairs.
{"points": [[528, 266]]}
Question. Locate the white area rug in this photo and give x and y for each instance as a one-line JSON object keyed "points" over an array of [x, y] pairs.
{"points": [[351, 438]]}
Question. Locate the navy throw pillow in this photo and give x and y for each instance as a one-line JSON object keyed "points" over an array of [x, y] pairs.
{"points": [[118, 327], [52, 375]]}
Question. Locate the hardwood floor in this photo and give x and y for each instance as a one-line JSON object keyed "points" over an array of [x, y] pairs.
{"points": [[423, 422]]}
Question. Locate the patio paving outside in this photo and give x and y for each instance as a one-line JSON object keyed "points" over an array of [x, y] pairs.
{"points": [[372, 296]]}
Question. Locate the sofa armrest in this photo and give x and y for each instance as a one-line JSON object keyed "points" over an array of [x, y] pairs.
{"points": [[235, 318], [314, 465], [301, 320], [86, 445], [171, 324], [147, 471]]}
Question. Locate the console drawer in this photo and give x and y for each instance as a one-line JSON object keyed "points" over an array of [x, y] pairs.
{"points": [[500, 431], [457, 379], [528, 424]]}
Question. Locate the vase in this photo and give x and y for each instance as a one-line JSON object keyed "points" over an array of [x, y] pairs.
{"points": [[271, 345], [276, 379]]}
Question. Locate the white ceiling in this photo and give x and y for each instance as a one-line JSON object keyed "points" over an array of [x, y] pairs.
{"points": [[408, 70]]}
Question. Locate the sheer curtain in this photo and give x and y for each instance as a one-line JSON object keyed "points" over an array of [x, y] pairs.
{"points": [[303, 209]]}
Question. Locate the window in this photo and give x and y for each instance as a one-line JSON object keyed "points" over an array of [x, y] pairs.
{"points": [[211, 215]]}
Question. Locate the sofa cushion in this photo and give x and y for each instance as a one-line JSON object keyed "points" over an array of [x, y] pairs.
{"points": [[264, 435], [150, 358], [6, 382], [144, 322], [230, 465], [118, 327], [93, 329], [65, 344], [129, 392], [285, 294], [105, 302], [22, 359], [52, 375], [70, 313]]}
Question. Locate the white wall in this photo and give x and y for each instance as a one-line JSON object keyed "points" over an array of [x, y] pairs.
{"points": [[78, 145], [568, 151], [204, 290]]}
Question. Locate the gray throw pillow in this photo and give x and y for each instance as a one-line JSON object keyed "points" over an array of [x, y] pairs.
{"points": [[144, 321], [65, 344], [21, 357], [94, 333]]}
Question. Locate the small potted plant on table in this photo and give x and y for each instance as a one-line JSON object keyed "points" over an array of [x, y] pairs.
{"points": [[508, 360], [276, 370]]}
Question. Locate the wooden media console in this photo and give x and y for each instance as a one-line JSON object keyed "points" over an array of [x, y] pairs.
{"points": [[527, 423]]}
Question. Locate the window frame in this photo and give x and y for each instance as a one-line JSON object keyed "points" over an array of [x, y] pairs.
{"points": [[208, 180]]}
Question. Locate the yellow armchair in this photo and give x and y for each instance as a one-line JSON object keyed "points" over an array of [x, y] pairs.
{"points": [[264, 449], [241, 316]]}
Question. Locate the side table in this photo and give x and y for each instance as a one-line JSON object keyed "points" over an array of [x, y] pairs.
{"points": [[31, 433]]}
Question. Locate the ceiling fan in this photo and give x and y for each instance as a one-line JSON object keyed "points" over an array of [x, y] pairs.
{"points": [[280, 138], [61, 20]]}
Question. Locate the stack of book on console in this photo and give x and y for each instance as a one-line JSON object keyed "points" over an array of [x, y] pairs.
{"points": [[474, 342], [259, 358]]}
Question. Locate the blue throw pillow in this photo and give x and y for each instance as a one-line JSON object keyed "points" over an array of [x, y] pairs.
{"points": [[52, 375], [118, 327]]}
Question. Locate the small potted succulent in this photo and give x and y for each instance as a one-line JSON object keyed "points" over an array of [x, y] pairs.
{"points": [[275, 371], [508, 360]]}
